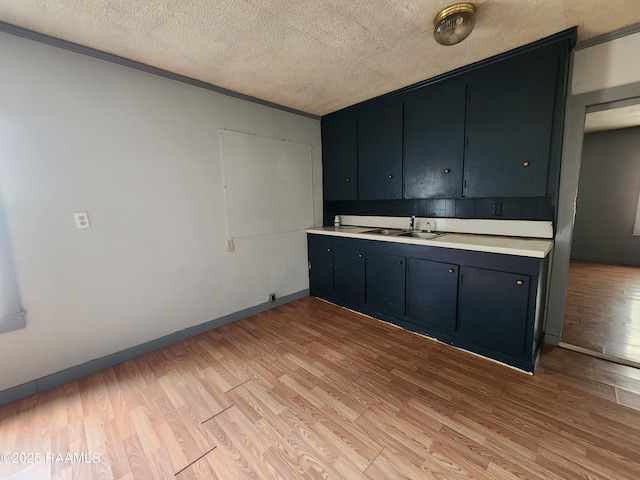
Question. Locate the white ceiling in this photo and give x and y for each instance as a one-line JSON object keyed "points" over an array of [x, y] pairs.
{"points": [[315, 56]]}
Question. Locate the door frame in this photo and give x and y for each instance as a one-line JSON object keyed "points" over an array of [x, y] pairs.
{"points": [[577, 106]]}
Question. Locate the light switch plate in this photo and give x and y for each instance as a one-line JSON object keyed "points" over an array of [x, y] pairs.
{"points": [[82, 220]]}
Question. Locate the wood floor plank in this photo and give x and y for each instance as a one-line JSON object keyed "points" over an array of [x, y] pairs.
{"points": [[391, 430]]}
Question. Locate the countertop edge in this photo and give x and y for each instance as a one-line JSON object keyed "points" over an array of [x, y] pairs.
{"points": [[441, 242]]}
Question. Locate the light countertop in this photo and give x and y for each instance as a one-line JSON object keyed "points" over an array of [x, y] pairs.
{"points": [[524, 247]]}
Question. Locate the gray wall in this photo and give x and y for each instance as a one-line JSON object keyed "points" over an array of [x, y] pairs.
{"points": [[608, 197], [143, 156]]}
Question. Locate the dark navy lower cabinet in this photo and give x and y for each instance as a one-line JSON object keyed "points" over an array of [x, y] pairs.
{"points": [[321, 264], [349, 274], [432, 294], [487, 303], [494, 311], [385, 283]]}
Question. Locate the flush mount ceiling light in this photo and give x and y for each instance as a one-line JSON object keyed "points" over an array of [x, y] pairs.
{"points": [[453, 24]]}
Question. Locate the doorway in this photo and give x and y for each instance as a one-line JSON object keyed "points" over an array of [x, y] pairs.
{"points": [[602, 303]]}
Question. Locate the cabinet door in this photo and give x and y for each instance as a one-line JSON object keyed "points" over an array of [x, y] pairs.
{"points": [[349, 275], [493, 309], [432, 294], [321, 266], [509, 125], [385, 283], [380, 153], [340, 158], [434, 142]]}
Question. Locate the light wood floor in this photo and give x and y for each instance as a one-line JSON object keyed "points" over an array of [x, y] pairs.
{"points": [[312, 391], [602, 311]]}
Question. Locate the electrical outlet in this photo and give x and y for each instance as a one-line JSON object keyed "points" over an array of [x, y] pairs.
{"points": [[272, 297], [82, 220], [497, 210], [230, 246]]}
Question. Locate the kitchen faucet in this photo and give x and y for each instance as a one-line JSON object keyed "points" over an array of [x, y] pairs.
{"points": [[412, 223]]}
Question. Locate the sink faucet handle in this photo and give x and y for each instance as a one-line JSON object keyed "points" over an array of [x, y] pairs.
{"points": [[412, 224], [428, 227]]}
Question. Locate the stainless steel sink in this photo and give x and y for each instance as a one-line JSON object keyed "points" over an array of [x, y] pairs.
{"points": [[385, 231], [417, 234], [396, 232]]}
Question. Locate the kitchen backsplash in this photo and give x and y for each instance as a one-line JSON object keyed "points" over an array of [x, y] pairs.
{"points": [[525, 208]]}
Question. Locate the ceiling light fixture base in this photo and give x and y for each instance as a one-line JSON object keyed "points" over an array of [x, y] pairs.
{"points": [[454, 23]]}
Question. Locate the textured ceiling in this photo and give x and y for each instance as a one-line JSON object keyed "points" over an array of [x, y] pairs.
{"points": [[316, 56], [623, 117]]}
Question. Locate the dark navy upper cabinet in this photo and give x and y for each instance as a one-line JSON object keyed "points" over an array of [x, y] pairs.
{"points": [[385, 283], [340, 157], [349, 274], [510, 118], [489, 130], [380, 152], [321, 264], [432, 294], [495, 309], [434, 122]]}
